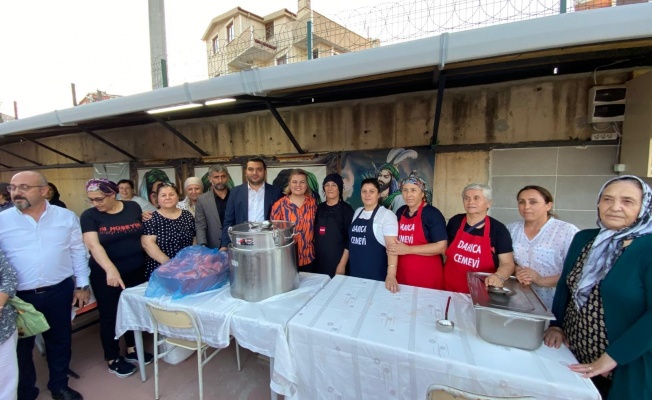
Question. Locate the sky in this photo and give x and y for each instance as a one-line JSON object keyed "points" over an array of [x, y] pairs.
{"points": [[104, 44]]}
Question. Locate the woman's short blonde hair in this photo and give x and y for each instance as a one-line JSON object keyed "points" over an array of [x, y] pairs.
{"points": [[293, 172]]}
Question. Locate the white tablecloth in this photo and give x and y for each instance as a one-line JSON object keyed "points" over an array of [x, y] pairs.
{"points": [[260, 327], [356, 340]]}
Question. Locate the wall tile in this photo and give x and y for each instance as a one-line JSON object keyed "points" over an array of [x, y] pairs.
{"points": [[524, 162]]}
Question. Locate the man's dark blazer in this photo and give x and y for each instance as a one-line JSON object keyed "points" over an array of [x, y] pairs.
{"points": [[237, 207]]}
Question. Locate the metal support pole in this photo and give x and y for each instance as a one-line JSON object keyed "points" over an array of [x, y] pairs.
{"points": [[562, 6], [309, 38], [164, 72], [440, 99]]}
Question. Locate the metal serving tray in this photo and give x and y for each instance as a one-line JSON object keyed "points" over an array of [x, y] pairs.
{"points": [[516, 318]]}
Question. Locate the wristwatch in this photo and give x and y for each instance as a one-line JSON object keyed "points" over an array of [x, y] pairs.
{"points": [[83, 288]]}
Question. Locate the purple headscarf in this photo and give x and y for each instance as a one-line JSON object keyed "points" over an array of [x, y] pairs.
{"points": [[103, 185]]}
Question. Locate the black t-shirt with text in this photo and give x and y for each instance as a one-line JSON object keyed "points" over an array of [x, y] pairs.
{"points": [[119, 234]]}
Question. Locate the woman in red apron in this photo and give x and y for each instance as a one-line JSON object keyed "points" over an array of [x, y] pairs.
{"points": [[421, 238], [477, 243]]}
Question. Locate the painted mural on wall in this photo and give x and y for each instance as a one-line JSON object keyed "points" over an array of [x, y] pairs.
{"points": [[389, 167], [150, 178]]}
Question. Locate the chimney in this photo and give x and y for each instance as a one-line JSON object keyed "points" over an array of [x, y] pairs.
{"points": [[304, 4]]}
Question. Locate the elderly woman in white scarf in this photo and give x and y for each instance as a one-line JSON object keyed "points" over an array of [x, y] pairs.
{"points": [[603, 301], [193, 188]]}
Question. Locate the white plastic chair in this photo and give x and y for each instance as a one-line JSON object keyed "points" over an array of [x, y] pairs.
{"points": [[181, 319], [443, 392]]}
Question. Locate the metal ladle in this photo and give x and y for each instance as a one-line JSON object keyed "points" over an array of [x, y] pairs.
{"points": [[445, 325]]}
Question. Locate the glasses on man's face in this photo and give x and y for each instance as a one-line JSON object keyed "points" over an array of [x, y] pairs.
{"points": [[98, 200], [22, 188]]}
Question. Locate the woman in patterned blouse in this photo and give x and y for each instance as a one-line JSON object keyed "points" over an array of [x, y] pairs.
{"points": [[603, 301], [8, 335], [168, 231], [299, 207]]}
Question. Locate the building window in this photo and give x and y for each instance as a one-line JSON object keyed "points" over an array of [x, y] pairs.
{"points": [[282, 60], [216, 45], [269, 30], [230, 32], [315, 54]]}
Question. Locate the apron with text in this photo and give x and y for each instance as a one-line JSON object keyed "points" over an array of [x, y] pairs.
{"points": [[413, 269], [367, 257], [467, 253]]}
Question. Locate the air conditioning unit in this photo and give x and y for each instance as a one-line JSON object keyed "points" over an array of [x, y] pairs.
{"points": [[607, 104]]}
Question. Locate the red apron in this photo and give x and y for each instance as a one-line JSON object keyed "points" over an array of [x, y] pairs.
{"points": [[413, 269], [467, 253]]}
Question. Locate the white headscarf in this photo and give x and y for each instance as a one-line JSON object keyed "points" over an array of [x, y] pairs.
{"points": [[608, 245]]}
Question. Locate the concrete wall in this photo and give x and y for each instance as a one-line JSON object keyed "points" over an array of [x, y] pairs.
{"points": [[70, 182], [540, 110]]}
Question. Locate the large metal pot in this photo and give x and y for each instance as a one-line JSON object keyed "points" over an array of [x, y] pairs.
{"points": [[513, 316], [261, 235], [258, 274]]}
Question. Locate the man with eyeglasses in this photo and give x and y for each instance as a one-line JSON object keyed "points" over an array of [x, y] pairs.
{"points": [[44, 244]]}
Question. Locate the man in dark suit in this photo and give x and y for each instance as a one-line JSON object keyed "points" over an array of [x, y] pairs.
{"points": [[211, 207], [251, 201]]}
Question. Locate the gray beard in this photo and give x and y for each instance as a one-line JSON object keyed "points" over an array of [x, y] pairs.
{"points": [[219, 186], [23, 206]]}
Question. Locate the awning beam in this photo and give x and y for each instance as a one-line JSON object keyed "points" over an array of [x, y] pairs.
{"points": [[19, 156], [53, 150], [284, 126], [180, 135], [106, 142]]}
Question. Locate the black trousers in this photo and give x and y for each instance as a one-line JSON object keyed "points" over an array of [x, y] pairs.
{"points": [[108, 298], [55, 304]]}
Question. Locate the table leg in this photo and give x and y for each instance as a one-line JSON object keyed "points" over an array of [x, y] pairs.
{"points": [[271, 374], [138, 335]]}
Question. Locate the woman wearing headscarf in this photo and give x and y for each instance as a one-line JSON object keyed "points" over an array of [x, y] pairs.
{"points": [[477, 243], [299, 206], [193, 187], [422, 238], [332, 222], [111, 230], [8, 334], [603, 301]]}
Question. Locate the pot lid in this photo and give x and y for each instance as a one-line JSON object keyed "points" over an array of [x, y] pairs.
{"points": [[261, 226], [515, 299]]}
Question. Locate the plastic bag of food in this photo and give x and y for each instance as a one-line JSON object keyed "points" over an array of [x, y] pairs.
{"points": [[194, 269]]}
